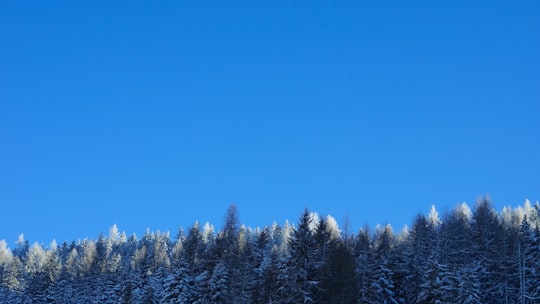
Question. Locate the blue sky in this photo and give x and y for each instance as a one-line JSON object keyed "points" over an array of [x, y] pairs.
{"points": [[159, 113]]}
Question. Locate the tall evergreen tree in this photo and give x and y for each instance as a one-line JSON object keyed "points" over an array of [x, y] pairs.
{"points": [[301, 265], [460, 257], [363, 255], [528, 253], [487, 236], [381, 269]]}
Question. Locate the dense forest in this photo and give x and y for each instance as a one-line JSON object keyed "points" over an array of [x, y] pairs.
{"points": [[463, 256]]}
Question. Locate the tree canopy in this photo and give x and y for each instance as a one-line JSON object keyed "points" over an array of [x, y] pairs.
{"points": [[464, 256]]}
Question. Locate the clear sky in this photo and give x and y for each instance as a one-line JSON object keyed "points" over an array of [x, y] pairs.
{"points": [[159, 113]]}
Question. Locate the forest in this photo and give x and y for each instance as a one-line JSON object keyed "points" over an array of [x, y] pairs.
{"points": [[466, 255]]}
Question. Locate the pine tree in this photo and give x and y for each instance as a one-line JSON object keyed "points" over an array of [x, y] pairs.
{"points": [[219, 285], [461, 257], [487, 236], [422, 249], [439, 285], [320, 262], [468, 287], [180, 287], [381, 269], [340, 280], [301, 262], [10, 269], [528, 264], [457, 236], [270, 284], [363, 255]]}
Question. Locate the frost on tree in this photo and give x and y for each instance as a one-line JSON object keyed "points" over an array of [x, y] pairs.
{"points": [[467, 256]]}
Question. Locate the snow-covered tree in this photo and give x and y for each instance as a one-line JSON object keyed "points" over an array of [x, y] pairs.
{"points": [[487, 236], [458, 257], [529, 256], [302, 261], [219, 285], [180, 286]]}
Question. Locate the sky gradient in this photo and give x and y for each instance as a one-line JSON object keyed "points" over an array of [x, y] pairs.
{"points": [[157, 114]]}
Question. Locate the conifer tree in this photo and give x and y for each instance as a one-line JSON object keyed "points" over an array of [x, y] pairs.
{"points": [[460, 257], [487, 237], [363, 255], [301, 265], [528, 264]]}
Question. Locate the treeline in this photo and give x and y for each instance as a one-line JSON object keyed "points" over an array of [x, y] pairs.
{"points": [[464, 256]]}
